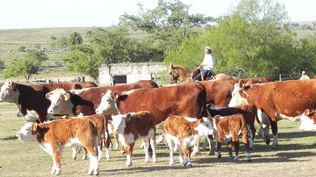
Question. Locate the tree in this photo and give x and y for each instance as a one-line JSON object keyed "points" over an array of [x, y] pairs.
{"points": [[25, 66], [75, 39], [249, 40], [167, 24], [83, 59]]}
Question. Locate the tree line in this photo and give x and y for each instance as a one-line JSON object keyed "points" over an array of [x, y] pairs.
{"points": [[254, 38]]}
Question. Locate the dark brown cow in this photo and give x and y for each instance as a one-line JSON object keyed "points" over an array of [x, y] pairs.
{"points": [[55, 135], [130, 127], [31, 100], [230, 127], [277, 100], [184, 99]]}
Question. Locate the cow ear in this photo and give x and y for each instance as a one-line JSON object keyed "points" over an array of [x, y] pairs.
{"points": [[34, 128], [128, 117], [170, 65], [67, 96], [241, 83], [48, 95]]}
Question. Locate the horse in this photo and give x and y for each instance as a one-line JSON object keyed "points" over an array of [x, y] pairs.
{"points": [[178, 72]]}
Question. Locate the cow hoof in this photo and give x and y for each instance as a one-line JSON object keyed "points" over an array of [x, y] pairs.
{"points": [[211, 153], [219, 156], [188, 164], [249, 160], [274, 147]]}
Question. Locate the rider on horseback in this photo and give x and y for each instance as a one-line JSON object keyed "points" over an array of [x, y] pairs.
{"points": [[207, 66]]}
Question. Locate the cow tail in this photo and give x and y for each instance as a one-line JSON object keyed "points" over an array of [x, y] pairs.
{"points": [[203, 110]]}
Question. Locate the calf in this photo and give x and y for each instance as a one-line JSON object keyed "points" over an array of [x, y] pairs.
{"points": [[184, 134], [133, 126], [100, 122], [231, 127], [308, 120], [53, 136]]}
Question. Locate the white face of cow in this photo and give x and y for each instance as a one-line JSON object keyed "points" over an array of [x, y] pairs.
{"points": [[236, 99], [205, 127], [119, 123], [60, 102], [108, 104], [8, 93], [25, 134], [307, 124]]}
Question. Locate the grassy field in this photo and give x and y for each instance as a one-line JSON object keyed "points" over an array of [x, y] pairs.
{"points": [[296, 156]]}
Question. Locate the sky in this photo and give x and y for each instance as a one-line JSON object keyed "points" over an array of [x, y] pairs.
{"points": [[17, 14]]}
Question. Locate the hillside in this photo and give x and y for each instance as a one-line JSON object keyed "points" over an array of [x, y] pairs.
{"points": [[12, 39]]}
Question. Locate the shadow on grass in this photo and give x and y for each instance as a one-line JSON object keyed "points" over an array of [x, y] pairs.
{"points": [[133, 170], [8, 138]]}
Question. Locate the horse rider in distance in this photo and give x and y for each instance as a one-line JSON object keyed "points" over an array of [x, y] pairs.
{"points": [[207, 66]]}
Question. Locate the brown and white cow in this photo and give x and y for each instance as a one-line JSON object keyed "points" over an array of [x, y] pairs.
{"points": [[184, 99], [100, 122], [230, 127], [31, 100], [277, 100], [308, 120], [219, 92], [53, 136], [133, 126], [184, 134]]}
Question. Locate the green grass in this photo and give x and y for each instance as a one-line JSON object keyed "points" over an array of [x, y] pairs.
{"points": [[296, 156]]}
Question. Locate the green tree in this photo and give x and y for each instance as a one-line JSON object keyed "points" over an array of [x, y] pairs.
{"points": [[75, 39], [82, 59], [251, 40], [25, 66], [167, 24]]}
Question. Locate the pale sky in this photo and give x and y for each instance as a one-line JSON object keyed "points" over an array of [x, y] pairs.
{"points": [[101, 13]]}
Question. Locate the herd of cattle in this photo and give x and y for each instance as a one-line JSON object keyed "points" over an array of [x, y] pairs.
{"points": [[81, 114]]}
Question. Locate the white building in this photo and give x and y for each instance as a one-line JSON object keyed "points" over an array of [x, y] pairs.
{"points": [[120, 73]]}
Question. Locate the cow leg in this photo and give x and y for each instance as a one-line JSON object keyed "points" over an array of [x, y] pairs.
{"points": [[107, 144], [152, 141], [218, 149], [56, 160], [247, 141], [274, 127], [266, 136], [236, 147], [171, 146], [129, 151], [94, 162], [84, 156], [230, 149], [75, 151], [196, 148], [146, 150], [211, 143]]}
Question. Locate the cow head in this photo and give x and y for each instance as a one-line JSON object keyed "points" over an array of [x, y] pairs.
{"points": [[108, 104], [204, 126], [9, 93], [28, 132], [308, 120], [60, 102], [238, 97], [119, 122]]}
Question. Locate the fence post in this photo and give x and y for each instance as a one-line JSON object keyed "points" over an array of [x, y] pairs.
{"points": [[280, 77]]}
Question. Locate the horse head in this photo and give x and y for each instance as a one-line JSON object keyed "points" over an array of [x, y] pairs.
{"points": [[173, 74]]}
